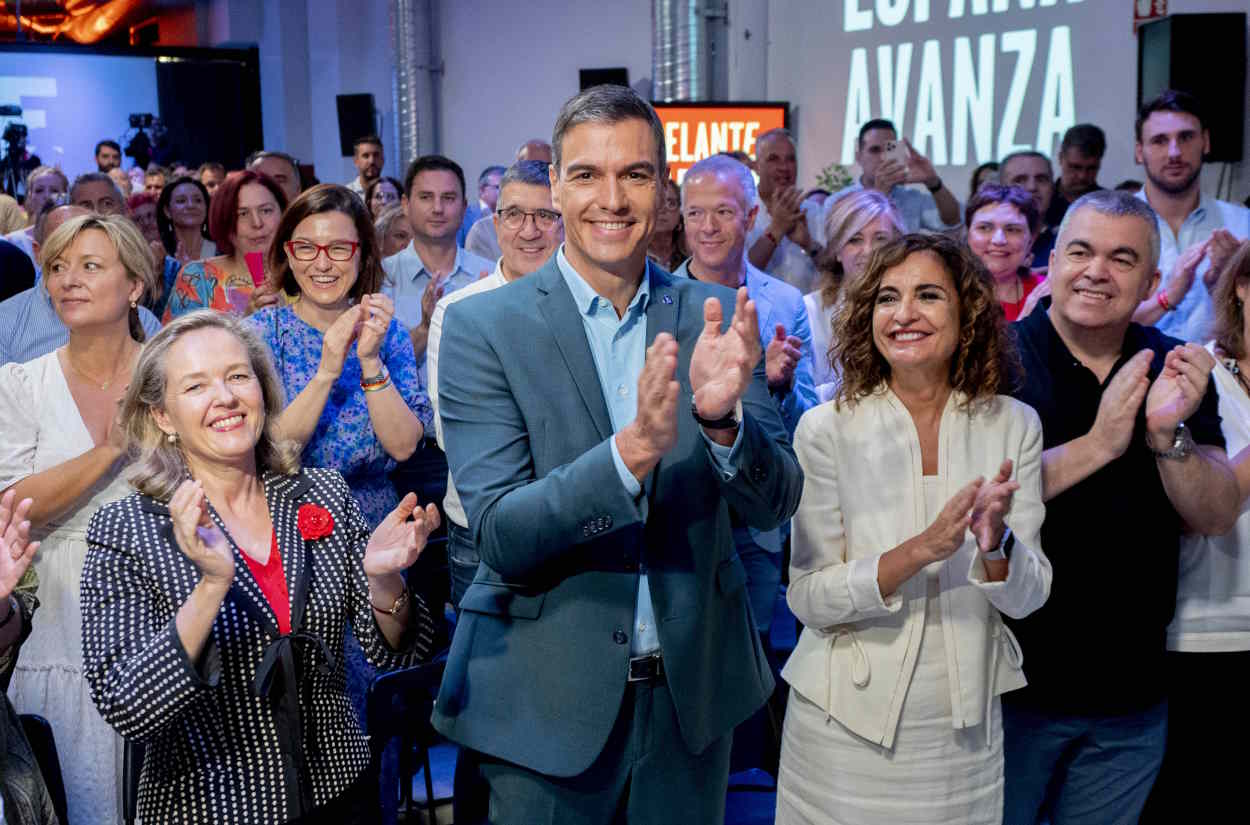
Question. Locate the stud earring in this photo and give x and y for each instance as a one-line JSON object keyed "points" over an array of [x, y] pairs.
{"points": [[134, 304], [172, 438]]}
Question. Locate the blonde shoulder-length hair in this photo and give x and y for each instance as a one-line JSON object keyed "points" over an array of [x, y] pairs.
{"points": [[132, 251], [157, 464]]}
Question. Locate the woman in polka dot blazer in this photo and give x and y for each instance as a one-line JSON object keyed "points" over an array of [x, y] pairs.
{"points": [[215, 599]]}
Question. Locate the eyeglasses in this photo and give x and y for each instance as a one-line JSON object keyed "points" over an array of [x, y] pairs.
{"points": [[513, 218], [308, 251]]}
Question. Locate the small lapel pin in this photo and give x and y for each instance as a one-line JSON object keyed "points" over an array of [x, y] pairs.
{"points": [[668, 299]]}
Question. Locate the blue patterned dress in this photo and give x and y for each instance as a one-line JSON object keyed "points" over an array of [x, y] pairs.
{"points": [[344, 439]]}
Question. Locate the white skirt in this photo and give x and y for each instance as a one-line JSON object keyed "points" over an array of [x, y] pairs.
{"points": [[933, 775]]}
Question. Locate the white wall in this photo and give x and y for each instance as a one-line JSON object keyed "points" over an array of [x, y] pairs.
{"points": [[311, 51], [510, 66], [810, 56]]}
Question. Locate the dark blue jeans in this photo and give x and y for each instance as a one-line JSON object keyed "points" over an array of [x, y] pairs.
{"points": [[1080, 770], [462, 561]]}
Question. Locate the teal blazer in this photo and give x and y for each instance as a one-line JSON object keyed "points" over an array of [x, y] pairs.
{"points": [[537, 668]]}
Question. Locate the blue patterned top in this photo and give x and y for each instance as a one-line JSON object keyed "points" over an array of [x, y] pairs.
{"points": [[344, 439]]}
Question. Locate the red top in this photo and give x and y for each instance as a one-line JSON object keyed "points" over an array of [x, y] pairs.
{"points": [[273, 584], [1027, 284]]}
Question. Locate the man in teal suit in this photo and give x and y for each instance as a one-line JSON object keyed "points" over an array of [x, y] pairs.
{"points": [[601, 418]]}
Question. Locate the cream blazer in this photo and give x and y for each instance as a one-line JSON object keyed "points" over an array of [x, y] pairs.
{"points": [[863, 494]]}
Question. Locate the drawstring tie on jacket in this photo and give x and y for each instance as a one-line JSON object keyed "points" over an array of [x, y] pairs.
{"points": [[861, 671]]}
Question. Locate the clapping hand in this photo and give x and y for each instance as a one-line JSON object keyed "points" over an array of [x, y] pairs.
{"points": [[1182, 276], [16, 548], [780, 359], [376, 312], [722, 362], [198, 537], [1221, 246], [338, 339], [946, 534], [1176, 393], [265, 295], [992, 502], [397, 542], [430, 298], [1117, 410], [785, 211]]}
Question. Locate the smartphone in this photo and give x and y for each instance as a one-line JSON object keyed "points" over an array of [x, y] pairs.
{"points": [[896, 150], [256, 266]]}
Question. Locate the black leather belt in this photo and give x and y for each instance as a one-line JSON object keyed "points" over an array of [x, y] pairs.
{"points": [[646, 668]]}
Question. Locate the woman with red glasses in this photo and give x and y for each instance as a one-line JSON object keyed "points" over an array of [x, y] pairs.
{"points": [[346, 364], [348, 368]]}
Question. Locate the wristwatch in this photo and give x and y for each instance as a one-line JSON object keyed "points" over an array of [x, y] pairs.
{"points": [[726, 422], [1182, 444], [934, 189], [1003, 551]]}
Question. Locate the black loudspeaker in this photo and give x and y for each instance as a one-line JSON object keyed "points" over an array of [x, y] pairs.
{"points": [[598, 77], [1204, 55], [355, 120], [197, 97]]}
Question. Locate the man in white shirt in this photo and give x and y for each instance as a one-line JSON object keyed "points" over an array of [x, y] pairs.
{"points": [[529, 230], [937, 209], [368, 158], [784, 240], [432, 264], [1172, 139]]}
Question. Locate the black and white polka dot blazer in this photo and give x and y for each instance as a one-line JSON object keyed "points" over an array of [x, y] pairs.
{"points": [[259, 729]]}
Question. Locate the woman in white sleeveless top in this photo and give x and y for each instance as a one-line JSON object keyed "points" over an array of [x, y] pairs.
{"points": [[59, 444], [902, 556]]}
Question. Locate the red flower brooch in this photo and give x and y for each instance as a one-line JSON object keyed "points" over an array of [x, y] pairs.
{"points": [[314, 522]]}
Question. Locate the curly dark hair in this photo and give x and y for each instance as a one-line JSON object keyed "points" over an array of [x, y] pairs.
{"points": [[985, 361]]}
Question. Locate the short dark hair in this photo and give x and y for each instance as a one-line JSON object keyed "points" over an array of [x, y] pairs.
{"points": [[528, 172], [1085, 138], [488, 171], [1171, 100], [111, 144], [223, 209], [363, 139], [992, 193], [427, 163], [156, 169], [320, 199], [875, 123], [611, 104], [164, 225]]}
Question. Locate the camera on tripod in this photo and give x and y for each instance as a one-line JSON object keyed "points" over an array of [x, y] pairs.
{"points": [[15, 163], [140, 145]]}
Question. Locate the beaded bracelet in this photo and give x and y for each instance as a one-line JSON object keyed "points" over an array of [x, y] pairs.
{"points": [[377, 387]]}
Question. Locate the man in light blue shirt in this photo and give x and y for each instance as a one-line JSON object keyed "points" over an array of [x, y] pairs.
{"points": [[604, 652], [1172, 139], [432, 265], [936, 210]]}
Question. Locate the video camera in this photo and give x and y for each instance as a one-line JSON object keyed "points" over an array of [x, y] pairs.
{"points": [[15, 131]]}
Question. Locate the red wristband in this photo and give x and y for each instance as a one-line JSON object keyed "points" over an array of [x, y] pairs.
{"points": [[1162, 298], [768, 234]]}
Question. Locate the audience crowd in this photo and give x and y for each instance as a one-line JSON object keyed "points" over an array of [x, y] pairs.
{"points": [[257, 434]]}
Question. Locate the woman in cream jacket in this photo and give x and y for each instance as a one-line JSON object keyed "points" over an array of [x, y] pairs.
{"points": [[919, 525]]}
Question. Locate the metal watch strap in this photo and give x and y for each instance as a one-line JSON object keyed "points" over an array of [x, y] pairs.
{"points": [[1182, 444], [1003, 551]]}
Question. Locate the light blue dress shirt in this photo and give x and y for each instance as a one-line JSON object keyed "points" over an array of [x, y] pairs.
{"points": [[1193, 319], [406, 279], [619, 349]]}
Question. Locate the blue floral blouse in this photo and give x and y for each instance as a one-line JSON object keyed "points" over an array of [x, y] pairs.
{"points": [[344, 439]]}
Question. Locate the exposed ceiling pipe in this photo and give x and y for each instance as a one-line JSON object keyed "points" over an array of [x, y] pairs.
{"points": [[418, 67]]}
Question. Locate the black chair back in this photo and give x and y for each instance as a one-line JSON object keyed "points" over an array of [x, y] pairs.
{"points": [[43, 745]]}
